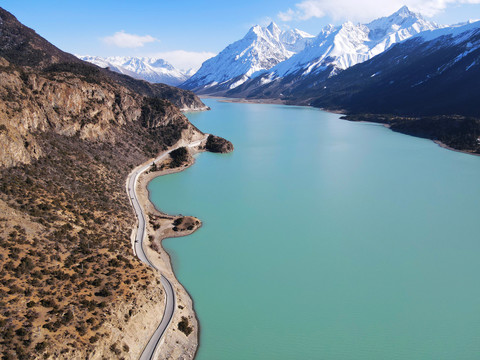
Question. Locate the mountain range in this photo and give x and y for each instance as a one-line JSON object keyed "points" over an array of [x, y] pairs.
{"points": [[270, 61], [434, 73], [418, 77], [397, 65], [296, 67], [154, 70]]}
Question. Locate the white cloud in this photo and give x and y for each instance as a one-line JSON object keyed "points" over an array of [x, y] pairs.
{"points": [[124, 40], [311, 8], [363, 10], [185, 60], [288, 15]]}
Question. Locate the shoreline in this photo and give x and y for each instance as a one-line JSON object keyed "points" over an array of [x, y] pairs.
{"points": [[445, 146], [243, 100], [337, 112], [144, 183], [173, 343]]}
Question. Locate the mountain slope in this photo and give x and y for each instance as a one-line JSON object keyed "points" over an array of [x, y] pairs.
{"points": [[426, 86], [334, 50], [22, 46], [70, 133], [150, 69], [260, 49], [434, 73]]}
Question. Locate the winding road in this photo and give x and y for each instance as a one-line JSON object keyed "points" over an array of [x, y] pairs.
{"points": [[149, 351]]}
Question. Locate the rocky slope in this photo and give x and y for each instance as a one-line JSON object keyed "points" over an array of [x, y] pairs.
{"points": [[72, 105], [70, 133], [154, 70]]}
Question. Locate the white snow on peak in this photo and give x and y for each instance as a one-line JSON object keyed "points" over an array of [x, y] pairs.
{"points": [[274, 30], [464, 36], [259, 50], [154, 70], [295, 40], [451, 31], [340, 47]]}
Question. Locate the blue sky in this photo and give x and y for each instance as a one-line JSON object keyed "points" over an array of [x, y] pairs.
{"points": [[186, 32]]}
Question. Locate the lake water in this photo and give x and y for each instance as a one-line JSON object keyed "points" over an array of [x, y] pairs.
{"points": [[327, 239]]}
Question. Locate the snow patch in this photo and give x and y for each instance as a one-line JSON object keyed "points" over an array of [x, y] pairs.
{"points": [[238, 82]]}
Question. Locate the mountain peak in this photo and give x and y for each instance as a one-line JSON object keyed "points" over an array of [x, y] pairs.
{"points": [[154, 70], [404, 18], [255, 32], [340, 47], [21, 45], [404, 11], [259, 50], [274, 29], [348, 25]]}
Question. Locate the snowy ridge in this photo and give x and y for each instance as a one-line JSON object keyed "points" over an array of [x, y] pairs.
{"points": [[260, 49], [465, 36], [453, 31], [341, 47], [150, 69]]}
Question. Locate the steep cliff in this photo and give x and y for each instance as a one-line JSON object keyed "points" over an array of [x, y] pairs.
{"points": [[74, 105]]}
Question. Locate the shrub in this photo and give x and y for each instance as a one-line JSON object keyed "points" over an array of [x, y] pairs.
{"points": [[93, 339], [115, 349], [41, 346], [179, 156], [103, 292], [183, 326]]}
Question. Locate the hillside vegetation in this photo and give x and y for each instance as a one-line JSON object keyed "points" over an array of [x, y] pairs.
{"points": [[70, 133]]}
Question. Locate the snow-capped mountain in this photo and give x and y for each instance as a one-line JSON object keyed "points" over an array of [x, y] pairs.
{"points": [[260, 49], [150, 69], [433, 73], [337, 48]]}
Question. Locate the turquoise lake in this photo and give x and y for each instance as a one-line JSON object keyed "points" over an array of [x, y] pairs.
{"points": [[327, 239]]}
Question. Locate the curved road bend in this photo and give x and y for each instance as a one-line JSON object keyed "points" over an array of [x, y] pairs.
{"points": [[152, 345]]}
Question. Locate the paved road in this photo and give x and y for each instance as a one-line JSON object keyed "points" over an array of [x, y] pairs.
{"points": [[154, 341]]}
